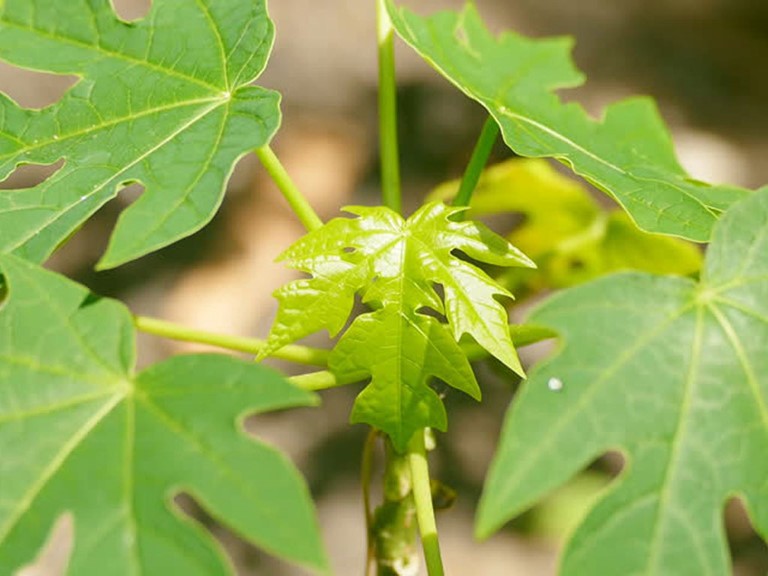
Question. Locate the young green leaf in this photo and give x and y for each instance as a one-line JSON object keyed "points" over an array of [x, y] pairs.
{"points": [[159, 103], [671, 372], [395, 264], [80, 434], [566, 232], [628, 154]]}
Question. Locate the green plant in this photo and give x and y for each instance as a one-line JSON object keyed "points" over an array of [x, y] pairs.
{"points": [[669, 370]]}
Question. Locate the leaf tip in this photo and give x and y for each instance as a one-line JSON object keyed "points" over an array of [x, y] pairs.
{"points": [[111, 259], [485, 524]]}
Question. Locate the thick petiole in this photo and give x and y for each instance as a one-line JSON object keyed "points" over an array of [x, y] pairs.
{"points": [[298, 202], [390, 163], [170, 330], [477, 162], [425, 513]]}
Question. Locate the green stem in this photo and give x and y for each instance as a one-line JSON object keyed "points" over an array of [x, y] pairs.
{"points": [[522, 335], [366, 469], [395, 528], [321, 380], [298, 202], [390, 166], [425, 513], [292, 352], [477, 162]]}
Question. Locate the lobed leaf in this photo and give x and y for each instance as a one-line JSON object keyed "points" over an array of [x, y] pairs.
{"points": [[81, 434], [396, 264], [400, 350], [165, 105], [673, 374], [628, 153]]}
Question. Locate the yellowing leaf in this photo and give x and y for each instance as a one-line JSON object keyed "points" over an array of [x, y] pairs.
{"points": [[566, 232], [625, 247], [556, 208]]}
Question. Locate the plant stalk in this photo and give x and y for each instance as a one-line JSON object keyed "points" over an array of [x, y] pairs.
{"points": [[394, 529], [477, 162], [320, 380], [366, 470], [291, 352], [425, 513], [295, 198], [324, 379], [522, 335], [390, 163]]}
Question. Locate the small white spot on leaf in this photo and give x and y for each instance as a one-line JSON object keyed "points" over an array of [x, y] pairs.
{"points": [[555, 384]]}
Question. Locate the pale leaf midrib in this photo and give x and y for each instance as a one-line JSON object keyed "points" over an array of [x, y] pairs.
{"points": [[544, 443], [113, 55], [113, 177], [738, 348], [63, 138], [493, 105], [67, 448], [202, 171], [177, 428], [6, 417], [33, 364], [663, 503]]}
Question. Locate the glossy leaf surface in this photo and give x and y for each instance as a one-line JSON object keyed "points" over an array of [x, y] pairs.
{"points": [[628, 153], [164, 101], [396, 264], [672, 373], [81, 434]]}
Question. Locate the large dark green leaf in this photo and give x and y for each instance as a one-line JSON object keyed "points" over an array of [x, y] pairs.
{"points": [[81, 434], [628, 153], [675, 375], [164, 101]]}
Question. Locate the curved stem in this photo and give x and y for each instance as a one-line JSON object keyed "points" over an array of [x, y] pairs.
{"points": [[477, 162], [425, 513], [298, 202], [390, 164], [292, 352]]}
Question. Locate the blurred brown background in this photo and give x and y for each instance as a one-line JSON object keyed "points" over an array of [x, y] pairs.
{"points": [[702, 59]]}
